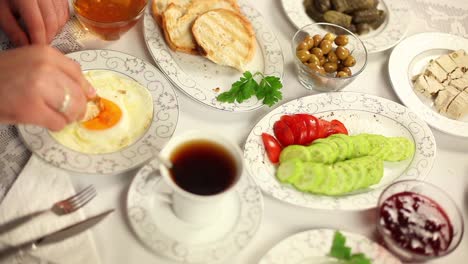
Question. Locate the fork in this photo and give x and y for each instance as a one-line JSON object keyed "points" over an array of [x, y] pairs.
{"points": [[74, 202], [63, 207]]}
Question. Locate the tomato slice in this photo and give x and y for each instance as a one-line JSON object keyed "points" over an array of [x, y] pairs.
{"points": [[324, 126], [298, 127], [312, 124], [283, 133], [337, 128], [272, 147]]}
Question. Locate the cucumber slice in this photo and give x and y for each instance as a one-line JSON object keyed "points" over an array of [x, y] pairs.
{"points": [[374, 168], [401, 148], [385, 148], [361, 166], [329, 185], [334, 146], [322, 153], [290, 170], [376, 142], [320, 175], [351, 175], [313, 177], [361, 146], [340, 186], [294, 152], [343, 147], [349, 143]]}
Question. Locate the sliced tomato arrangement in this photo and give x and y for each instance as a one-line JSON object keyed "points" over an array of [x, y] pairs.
{"points": [[298, 129]]}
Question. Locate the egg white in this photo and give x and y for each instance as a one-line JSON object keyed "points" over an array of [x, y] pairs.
{"points": [[137, 111]]}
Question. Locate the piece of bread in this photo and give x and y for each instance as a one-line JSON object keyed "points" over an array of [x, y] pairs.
{"points": [[225, 37], [177, 22], [159, 6]]}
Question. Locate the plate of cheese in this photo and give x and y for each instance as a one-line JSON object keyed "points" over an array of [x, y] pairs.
{"points": [[204, 46], [429, 73]]}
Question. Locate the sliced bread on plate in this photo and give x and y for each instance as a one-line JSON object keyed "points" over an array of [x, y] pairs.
{"points": [[225, 37], [177, 21]]}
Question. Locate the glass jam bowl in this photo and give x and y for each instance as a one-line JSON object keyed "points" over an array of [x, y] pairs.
{"points": [[418, 221], [109, 19]]}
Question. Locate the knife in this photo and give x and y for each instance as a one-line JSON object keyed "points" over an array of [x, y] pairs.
{"points": [[55, 237]]}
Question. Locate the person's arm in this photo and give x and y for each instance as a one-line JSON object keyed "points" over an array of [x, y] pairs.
{"points": [[43, 19], [34, 83]]}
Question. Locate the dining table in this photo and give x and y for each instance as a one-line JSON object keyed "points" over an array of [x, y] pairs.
{"points": [[117, 243]]}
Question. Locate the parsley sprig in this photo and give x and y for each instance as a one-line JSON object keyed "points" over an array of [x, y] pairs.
{"points": [[267, 90], [340, 251]]}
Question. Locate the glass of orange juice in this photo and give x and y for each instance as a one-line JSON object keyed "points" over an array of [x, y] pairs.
{"points": [[109, 19]]}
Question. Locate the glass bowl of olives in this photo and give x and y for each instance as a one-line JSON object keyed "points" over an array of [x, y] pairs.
{"points": [[328, 57]]}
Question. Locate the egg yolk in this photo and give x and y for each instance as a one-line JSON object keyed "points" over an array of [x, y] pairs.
{"points": [[110, 113]]}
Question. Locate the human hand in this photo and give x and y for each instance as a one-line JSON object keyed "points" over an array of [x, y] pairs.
{"points": [[34, 81], [43, 20]]}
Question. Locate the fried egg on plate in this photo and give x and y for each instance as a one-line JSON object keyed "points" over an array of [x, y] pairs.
{"points": [[121, 113]]}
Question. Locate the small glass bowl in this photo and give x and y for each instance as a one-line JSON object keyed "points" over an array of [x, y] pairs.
{"points": [[109, 30], [311, 79], [438, 196]]}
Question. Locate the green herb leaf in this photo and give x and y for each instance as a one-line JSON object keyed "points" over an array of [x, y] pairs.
{"points": [[269, 90], [359, 258], [340, 251], [247, 86]]}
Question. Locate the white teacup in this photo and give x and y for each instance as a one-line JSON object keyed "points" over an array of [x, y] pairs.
{"points": [[194, 208]]}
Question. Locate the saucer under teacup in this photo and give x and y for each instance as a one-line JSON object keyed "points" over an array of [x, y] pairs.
{"points": [[162, 232]]}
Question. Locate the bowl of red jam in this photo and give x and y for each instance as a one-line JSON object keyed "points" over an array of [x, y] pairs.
{"points": [[418, 221]]}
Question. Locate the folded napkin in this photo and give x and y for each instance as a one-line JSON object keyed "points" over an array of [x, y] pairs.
{"points": [[37, 188]]}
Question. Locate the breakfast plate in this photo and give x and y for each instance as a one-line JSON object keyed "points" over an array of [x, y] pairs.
{"points": [[313, 246], [203, 80], [408, 59], [155, 224], [360, 113], [386, 36], [161, 124]]}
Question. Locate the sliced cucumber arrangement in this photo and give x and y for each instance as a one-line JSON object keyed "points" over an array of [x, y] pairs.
{"points": [[335, 179], [340, 147], [340, 164]]}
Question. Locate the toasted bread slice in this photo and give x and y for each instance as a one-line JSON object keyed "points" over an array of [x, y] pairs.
{"points": [[178, 20], [225, 37], [159, 6]]}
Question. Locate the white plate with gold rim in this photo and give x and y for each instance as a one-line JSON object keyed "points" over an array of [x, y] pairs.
{"points": [[385, 37], [166, 235], [199, 78], [161, 128], [360, 113], [313, 246]]}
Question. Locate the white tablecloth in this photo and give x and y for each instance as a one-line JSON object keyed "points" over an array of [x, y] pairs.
{"points": [[116, 242]]}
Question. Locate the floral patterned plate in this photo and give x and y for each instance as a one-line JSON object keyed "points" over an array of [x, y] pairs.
{"points": [[165, 115], [408, 59], [386, 36], [361, 113], [313, 247], [166, 235], [203, 80]]}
